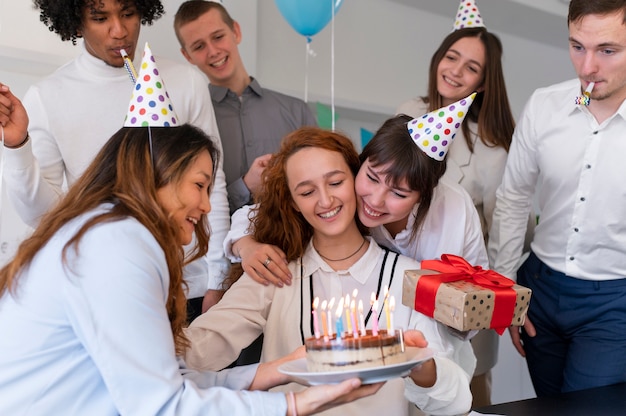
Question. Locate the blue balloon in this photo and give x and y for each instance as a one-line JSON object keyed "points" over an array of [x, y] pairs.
{"points": [[308, 17]]}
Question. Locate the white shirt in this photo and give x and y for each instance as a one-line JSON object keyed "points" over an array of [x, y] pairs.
{"points": [[478, 172], [576, 169], [74, 111], [249, 309], [94, 338]]}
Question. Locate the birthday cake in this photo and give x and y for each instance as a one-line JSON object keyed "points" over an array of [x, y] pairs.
{"points": [[351, 353]]}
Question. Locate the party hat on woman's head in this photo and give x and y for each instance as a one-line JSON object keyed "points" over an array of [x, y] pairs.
{"points": [[433, 132], [468, 16], [150, 103]]}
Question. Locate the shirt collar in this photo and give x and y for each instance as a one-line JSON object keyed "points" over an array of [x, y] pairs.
{"points": [[359, 271], [255, 86], [219, 93], [622, 110]]}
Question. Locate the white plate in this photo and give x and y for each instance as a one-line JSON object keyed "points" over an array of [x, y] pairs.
{"points": [[298, 370]]}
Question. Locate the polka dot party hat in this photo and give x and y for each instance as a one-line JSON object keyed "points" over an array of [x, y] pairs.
{"points": [[468, 16], [150, 103], [433, 132]]}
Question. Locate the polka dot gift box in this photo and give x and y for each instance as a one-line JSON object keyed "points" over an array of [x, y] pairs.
{"points": [[433, 132], [468, 16], [150, 103], [465, 297]]}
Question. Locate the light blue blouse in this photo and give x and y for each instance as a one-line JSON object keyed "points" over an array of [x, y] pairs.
{"points": [[93, 337]]}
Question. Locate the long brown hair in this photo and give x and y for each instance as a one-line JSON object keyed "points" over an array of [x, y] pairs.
{"points": [[126, 174], [491, 109], [275, 220], [393, 146]]}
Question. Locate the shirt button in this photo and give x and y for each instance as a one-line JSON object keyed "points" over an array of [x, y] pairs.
{"points": [[595, 132], [582, 198], [588, 166], [571, 257], [576, 229]]}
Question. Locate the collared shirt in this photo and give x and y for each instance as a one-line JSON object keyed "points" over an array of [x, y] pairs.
{"points": [[251, 126], [575, 168], [283, 315]]}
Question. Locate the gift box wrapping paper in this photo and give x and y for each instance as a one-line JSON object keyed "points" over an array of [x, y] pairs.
{"points": [[464, 300]]}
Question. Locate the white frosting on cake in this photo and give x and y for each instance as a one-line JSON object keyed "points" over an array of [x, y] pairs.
{"points": [[349, 353]]}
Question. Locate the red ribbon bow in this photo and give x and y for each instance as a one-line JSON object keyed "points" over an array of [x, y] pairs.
{"points": [[454, 268]]}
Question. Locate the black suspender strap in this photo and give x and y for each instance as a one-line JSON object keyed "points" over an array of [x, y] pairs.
{"points": [[309, 308], [301, 301], [380, 283]]}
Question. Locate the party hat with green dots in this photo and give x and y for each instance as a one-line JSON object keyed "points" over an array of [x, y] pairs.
{"points": [[468, 16], [150, 103], [433, 132]]}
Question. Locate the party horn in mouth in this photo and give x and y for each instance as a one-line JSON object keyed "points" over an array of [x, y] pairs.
{"points": [[585, 99], [128, 64]]}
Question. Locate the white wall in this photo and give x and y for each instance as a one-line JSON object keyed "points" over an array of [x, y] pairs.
{"points": [[382, 52]]}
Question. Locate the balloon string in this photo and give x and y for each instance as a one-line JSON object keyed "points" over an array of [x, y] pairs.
{"points": [[306, 69], [332, 66]]}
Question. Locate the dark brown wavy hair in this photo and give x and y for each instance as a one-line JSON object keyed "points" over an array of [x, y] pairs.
{"points": [[392, 146], [65, 17], [491, 109], [275, 220], [127, 175]]}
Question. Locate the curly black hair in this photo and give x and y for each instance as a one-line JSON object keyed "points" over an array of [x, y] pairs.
{"points": [[65, 17]]}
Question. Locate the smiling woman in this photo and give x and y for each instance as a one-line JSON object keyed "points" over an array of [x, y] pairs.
{"points": [[108, 259], [470, 60], [187, 198], [308, 210]]}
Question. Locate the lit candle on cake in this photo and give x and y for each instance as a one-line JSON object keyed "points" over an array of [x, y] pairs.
{"points": [[355, 292], [339, 316], [392, 306], [386, 303], [324, 322], [348, 320], [374, 311], [355, 328], [374, 315], [361, 320], [316, 326], [330, 317]]}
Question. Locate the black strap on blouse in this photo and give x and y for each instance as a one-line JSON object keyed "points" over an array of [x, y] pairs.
{"points": [[310, 310]]}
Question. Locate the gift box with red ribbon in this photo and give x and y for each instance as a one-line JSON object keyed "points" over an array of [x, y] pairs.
{"points": [[465, 297]]}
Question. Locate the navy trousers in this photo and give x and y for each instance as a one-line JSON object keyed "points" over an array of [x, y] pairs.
{"points": [[581, 330]]}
